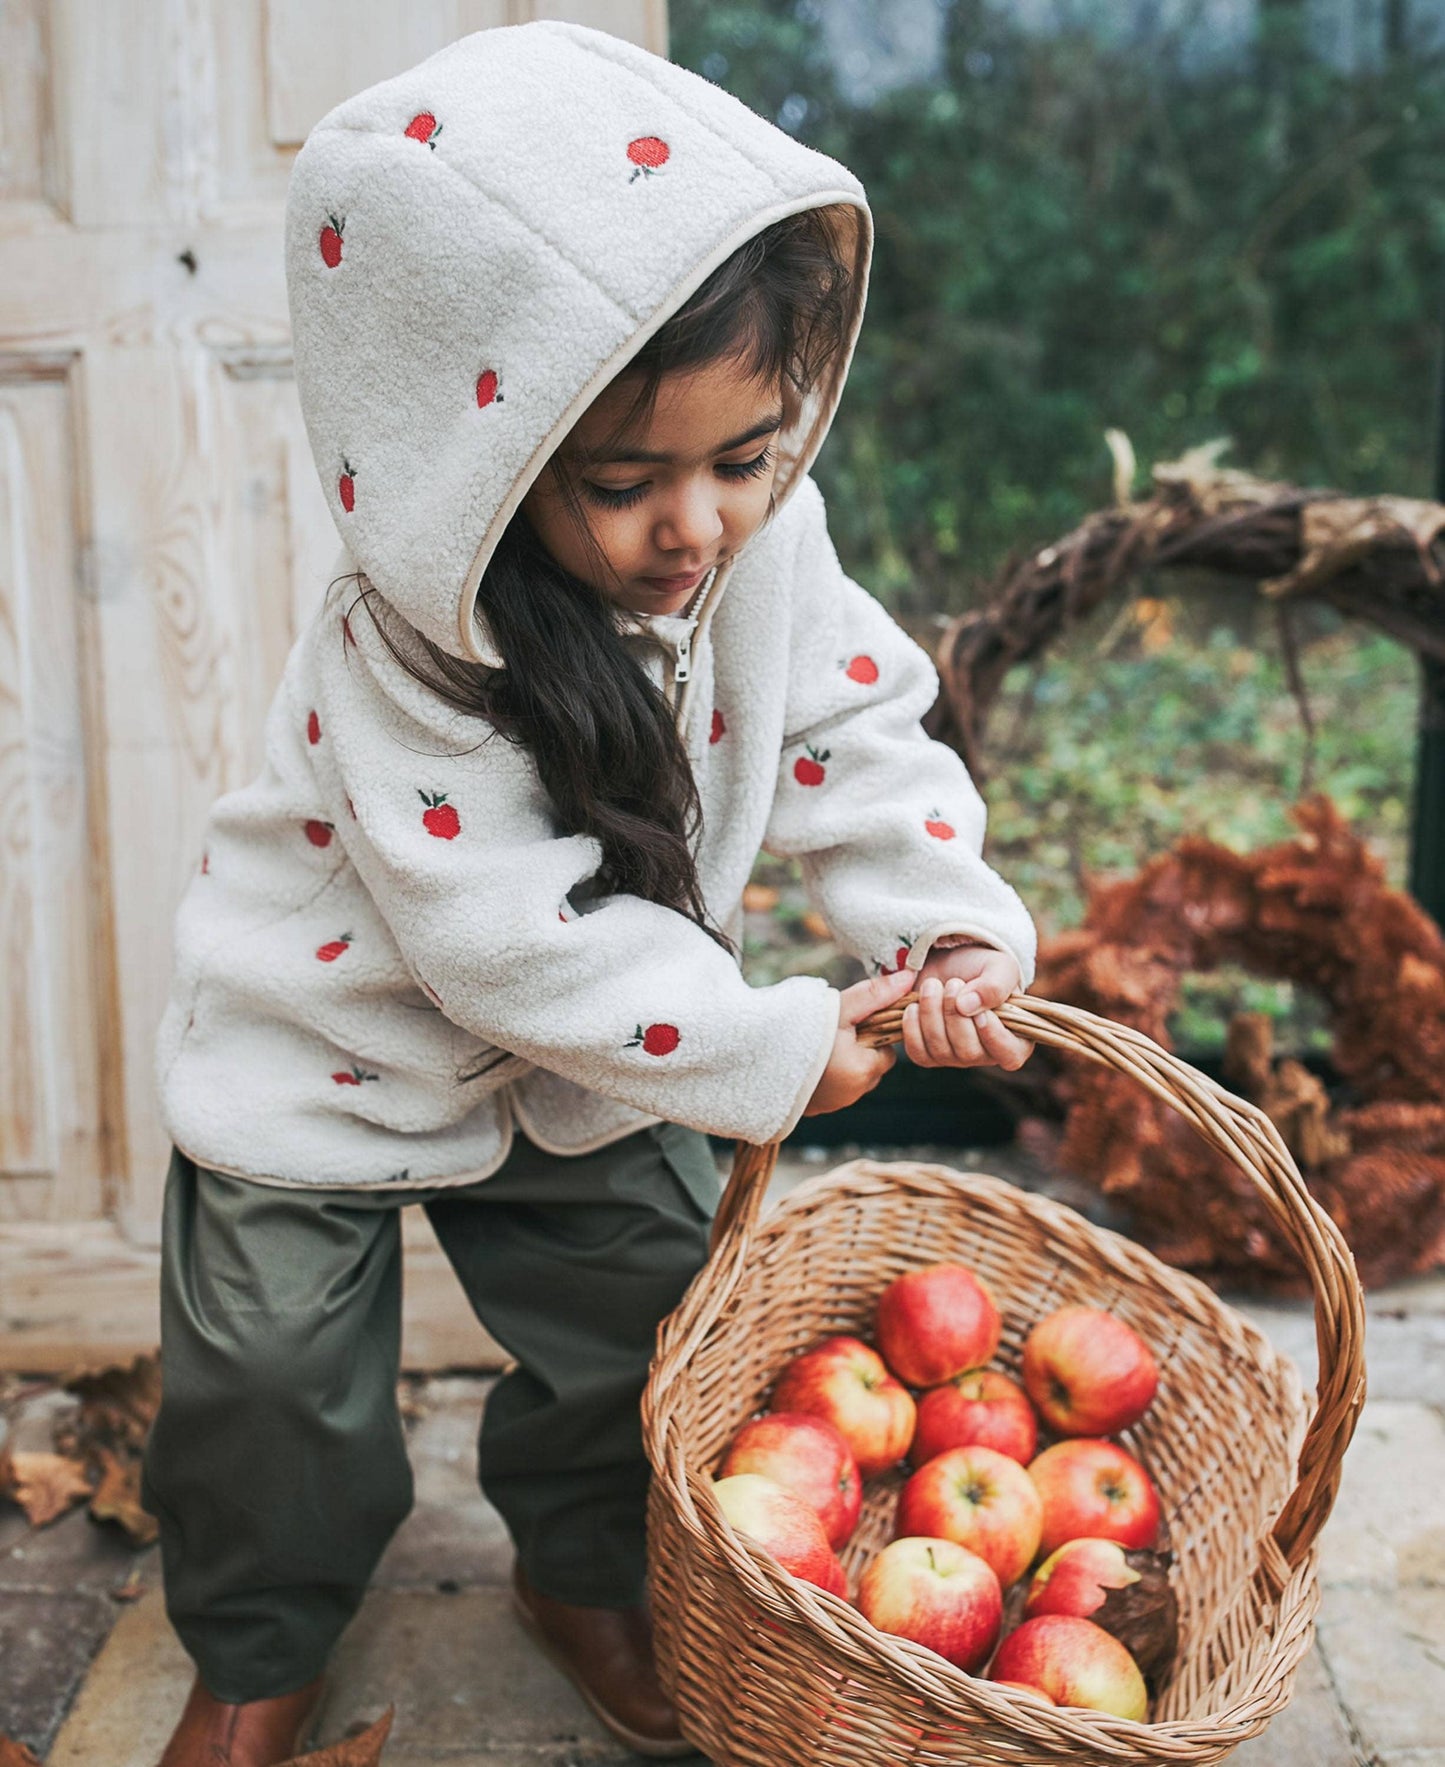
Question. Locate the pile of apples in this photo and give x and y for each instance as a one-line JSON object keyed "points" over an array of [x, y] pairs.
{"points": [[1062, 1539]]}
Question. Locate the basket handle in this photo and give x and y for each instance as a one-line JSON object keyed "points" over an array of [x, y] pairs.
{"points": [[1243, 1133]]}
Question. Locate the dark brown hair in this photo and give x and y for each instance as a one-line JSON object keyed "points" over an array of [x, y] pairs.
{"points": [[602, 735]]}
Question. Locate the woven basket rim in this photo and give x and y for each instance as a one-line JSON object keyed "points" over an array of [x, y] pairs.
{"points": [[1280, 1570]]}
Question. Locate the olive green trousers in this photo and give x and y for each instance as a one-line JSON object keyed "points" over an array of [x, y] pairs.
{"points": [[276, 1467]]}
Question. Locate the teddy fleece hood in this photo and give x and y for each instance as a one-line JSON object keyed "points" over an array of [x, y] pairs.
{"points": [[475, 248]]}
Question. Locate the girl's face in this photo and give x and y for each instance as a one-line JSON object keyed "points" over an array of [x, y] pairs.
{"points": [[675, 495]]}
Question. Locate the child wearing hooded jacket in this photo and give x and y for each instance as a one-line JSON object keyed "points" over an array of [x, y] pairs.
{"points": [[570, 328]]}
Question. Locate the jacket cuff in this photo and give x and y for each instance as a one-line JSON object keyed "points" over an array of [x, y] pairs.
{"points": [[813, 1076], [947, 934]]}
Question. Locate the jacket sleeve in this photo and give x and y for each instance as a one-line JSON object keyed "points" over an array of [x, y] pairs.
{"points": [[886, 823], [454, 837]]}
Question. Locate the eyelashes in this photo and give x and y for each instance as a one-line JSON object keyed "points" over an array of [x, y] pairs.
{"points": [[606, 499]]}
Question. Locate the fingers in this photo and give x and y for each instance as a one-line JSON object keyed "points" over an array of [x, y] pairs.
{"points": [[862, 998], [938, 1031]]}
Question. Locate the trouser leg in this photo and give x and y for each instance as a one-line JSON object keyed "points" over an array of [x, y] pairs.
{"points": [[276, 1467], [571, 1263]]}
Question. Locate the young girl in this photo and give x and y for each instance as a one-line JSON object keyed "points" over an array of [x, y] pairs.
{"points": [[570, 327]]}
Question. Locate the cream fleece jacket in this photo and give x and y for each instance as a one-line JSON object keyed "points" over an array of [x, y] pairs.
{"points": [[391, 956]]}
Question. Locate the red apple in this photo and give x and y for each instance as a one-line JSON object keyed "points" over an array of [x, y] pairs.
{"points": [[807, 1456], [783, 1525], [936, 1593], [1075, 1663], [1094, 1489], [845, 1383], [1088, 1372], [1076, 1578], [979, 1407], [1024, 1687], [935, 1323], [980, 1499]]}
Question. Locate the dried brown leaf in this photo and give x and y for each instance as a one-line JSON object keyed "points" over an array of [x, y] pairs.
{"points": [[15, 1754], [118, 1404], [117, 1498], [44, 1485], [353, 1751]]}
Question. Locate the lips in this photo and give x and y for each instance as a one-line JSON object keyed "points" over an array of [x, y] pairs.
{"points": [[672, 585]]}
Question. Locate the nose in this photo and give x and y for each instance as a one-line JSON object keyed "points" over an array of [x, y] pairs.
{"points": [[690, 524]]}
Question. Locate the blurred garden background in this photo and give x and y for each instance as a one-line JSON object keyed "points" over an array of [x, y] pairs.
{"points": [[1185, 220]]}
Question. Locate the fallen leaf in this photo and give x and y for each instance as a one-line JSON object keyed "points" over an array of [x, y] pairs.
{"points": [[15, 1754], [814, 924], [44, 1485], [118, 1404], [117, 1498], [354, 1751], [759, 898]]}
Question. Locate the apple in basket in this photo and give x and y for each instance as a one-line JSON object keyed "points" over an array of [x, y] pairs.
{"points": [[844, 1382], [937, 1594], [1088, 1372], [1024, 1687], [1096, 1489], [808, 1457], [1075, 1663], [980, 1499], [783, 1525], [934, 1323], [1125, 1591], [978, 1408]]}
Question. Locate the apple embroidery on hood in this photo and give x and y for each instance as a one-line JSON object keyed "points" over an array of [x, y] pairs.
{"points": [[424, 127], [648, 156]]}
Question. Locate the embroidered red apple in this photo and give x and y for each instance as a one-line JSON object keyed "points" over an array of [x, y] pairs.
{"points": [[346, 486], [353, 1076], [862, 668], [205, 864], [313, 729], [719, 728], [331, 242], [487, 388], [648, 155], [906, 943], [808, 769], [440, 817], [656, 1039], [319, 833], [424, 127], [346, 633], [938, 828], [329, 952]]}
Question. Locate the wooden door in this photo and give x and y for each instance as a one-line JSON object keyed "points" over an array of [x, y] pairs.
{"points": [[162, 535]]}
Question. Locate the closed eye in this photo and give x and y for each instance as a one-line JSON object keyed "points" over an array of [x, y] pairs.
{"points": [[623, 499]]}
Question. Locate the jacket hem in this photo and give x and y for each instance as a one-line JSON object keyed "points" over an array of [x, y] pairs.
{"points": [[524, 1122], [450, 1181]]}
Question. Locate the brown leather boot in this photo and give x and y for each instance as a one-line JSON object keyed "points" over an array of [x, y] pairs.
{"points": [[607, 1655], [258, 1733]]}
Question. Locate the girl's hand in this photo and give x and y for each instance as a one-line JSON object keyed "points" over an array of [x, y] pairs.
{"points": [[854, 1068], [952, 1024]]}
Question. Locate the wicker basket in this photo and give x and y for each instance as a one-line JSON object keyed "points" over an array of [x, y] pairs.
{"points": [[766, 1670]]}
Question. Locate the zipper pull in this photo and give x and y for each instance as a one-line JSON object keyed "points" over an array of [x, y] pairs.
{"points": [[682, 668]]}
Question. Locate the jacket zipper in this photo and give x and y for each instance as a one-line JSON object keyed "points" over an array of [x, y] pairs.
{"points": [[682, 663]]}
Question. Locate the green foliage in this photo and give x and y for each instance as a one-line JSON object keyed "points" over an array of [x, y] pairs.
{"points": [[1072, 237]]}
